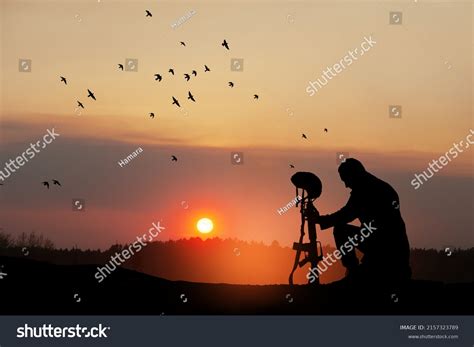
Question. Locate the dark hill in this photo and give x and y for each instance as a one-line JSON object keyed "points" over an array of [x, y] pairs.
{"points": [[33, 287]]}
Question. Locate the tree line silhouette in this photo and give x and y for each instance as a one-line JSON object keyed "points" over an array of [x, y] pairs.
{"points": [[216, 260]]}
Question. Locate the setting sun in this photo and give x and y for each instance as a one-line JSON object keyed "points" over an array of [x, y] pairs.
{"points": [[204, 225]]}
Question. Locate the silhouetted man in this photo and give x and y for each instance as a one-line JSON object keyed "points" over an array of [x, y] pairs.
{"points": [[381, 237]]}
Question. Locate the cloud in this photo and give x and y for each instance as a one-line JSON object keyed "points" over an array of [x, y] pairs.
{"points": [[245, 197]]}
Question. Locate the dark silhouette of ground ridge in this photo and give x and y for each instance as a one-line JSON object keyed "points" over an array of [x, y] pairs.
{"points": [[40, 288]]}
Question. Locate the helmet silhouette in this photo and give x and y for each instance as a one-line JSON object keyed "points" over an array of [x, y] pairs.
{"points": [[309, 182]]}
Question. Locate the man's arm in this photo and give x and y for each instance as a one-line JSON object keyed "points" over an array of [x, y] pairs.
{"points": [[345, 215]]}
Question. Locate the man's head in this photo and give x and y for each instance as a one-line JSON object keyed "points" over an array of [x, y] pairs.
{"points": [[352, 172]]}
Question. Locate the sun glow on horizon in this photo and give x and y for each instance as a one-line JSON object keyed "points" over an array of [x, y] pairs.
{"points": [[204, 225]]}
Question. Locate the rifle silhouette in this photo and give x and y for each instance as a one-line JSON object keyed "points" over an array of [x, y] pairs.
{"points": [[312, 187]]}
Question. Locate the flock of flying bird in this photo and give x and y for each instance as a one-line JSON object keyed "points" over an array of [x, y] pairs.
{"points": [[159, 78], [55, 182], [90, 94], [187, 76]]}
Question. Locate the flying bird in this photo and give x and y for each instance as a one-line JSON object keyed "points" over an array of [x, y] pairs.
{"points": [[120, 66], [183, 44], [255, 96], [91, 95], [173, 158], [63, 79], [148, 14], [325, 130], [194, 73], [56, 182], [304, 136], [225, 44], [175, 102], [158, 77], [79, 104], [46, 183], [152, 115], [171, 71], [231, 84], [187, 77], [191, 97], [292, 166], [206, 68]]}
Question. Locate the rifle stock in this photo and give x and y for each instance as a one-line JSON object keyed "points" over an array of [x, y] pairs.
{"points": [[312, 187], [313, 249]]}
